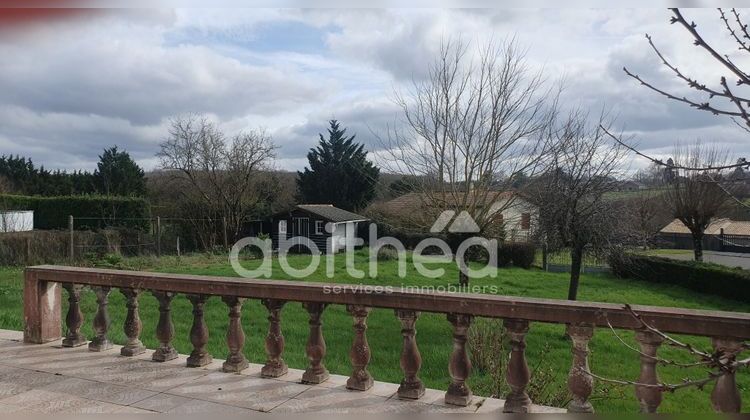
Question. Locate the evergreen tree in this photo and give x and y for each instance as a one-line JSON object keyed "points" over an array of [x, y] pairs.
{"points": [[118, 174], [339, 172]]}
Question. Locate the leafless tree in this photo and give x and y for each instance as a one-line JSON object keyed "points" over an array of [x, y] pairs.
{"points": [[470, 120], [216, 173], [695, 198], [642, 215], [737, 103], [574, 212]]}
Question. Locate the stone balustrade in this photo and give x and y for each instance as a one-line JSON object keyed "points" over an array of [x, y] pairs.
{"points": [[43, 321]]}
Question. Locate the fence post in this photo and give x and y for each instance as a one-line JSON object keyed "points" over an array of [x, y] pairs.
{"points": [[544, 256], [224, 229], [158, 236], [178, 247], [72, 238], [28, 250]]}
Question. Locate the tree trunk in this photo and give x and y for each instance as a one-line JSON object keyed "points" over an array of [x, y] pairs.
{"points": [[698, 245], [576, 260]]}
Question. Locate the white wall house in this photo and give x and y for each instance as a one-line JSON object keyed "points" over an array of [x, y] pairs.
{"points": [[315, 226], [17, 221]]}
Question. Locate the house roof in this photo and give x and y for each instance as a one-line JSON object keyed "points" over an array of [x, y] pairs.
{"points": [[413, 201], [731, 227], [331, 213]]}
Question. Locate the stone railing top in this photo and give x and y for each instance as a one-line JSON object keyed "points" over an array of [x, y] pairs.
{"points": [[672, 320]]}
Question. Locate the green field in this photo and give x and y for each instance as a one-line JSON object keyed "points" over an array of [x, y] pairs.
{"points": [[548, 350]]}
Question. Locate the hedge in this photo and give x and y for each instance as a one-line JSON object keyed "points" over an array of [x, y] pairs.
{"points": [[730, 283], [53, 212], [521, 254]]}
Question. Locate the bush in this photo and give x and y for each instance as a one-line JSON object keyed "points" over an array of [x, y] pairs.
{"points": [[519, 253], [731, 283], [53, 212], [387, 253]]}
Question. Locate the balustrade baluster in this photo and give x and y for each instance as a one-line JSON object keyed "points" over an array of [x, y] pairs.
{"points": [[74, 317], [459, 367], [411, 386], [133, 325], [360, 380], [580, 383], [316, 372], [198, 333], [165, 328], [725, 398], [236, 361], [649, 397], [517, 375], [275, 365], [101, 323]]}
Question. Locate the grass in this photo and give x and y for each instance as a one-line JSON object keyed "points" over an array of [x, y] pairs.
{"points": [[548, 350], [667, 251]]}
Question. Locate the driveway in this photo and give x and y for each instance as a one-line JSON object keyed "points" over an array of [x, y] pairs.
{"points": [[729, 259]]}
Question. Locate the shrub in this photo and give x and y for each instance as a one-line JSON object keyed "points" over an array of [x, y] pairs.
{"points": [[731, 283], [504, 256], [520, 254], [488, 342], [523, 254], [387, 253], [53, 212]]}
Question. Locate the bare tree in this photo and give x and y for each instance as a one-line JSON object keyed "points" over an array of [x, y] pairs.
{"points": [[470, 120], [738, 104], [695, 198], [573, 210], [217, 173]]}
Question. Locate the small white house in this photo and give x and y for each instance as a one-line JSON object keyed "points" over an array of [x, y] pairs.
{"points": [[315, 225], [17, 221]]}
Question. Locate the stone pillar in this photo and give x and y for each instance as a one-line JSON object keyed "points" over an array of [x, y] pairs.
{"points": [[198, 333], [133, 325], [101, 320], [165, 328], [411, 386], [275, 365], [361, 380], [236, 361], [649, 397], [316, 372], [725, 398], [580, 383], [74, 318], [517, 375], [459, 366], [41, 310]]}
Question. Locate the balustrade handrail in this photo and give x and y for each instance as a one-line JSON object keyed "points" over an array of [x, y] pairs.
{"points": [[42, 323], [666, 319]]}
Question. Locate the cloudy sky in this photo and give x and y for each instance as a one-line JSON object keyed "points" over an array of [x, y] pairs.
{"points": [[74, 83]]}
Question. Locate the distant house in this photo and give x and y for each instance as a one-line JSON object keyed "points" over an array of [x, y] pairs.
{"points": [[17, 221], [320, 224], [720, 235], [518, 215]]}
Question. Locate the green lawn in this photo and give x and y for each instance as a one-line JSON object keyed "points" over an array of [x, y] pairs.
{"points": [[667, 251], [548, 351]]}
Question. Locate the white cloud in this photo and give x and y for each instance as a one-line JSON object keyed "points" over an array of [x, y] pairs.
{"points": [[115, 78]]}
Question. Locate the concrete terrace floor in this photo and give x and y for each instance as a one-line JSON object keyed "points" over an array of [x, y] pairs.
{"points": [[48, 378]]}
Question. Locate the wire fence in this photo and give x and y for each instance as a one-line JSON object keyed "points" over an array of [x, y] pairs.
{"points": [[95, 237]]}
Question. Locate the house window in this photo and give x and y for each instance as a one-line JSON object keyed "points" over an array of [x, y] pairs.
{"points": [[318, 227], [282, 227], [525, 221]]}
